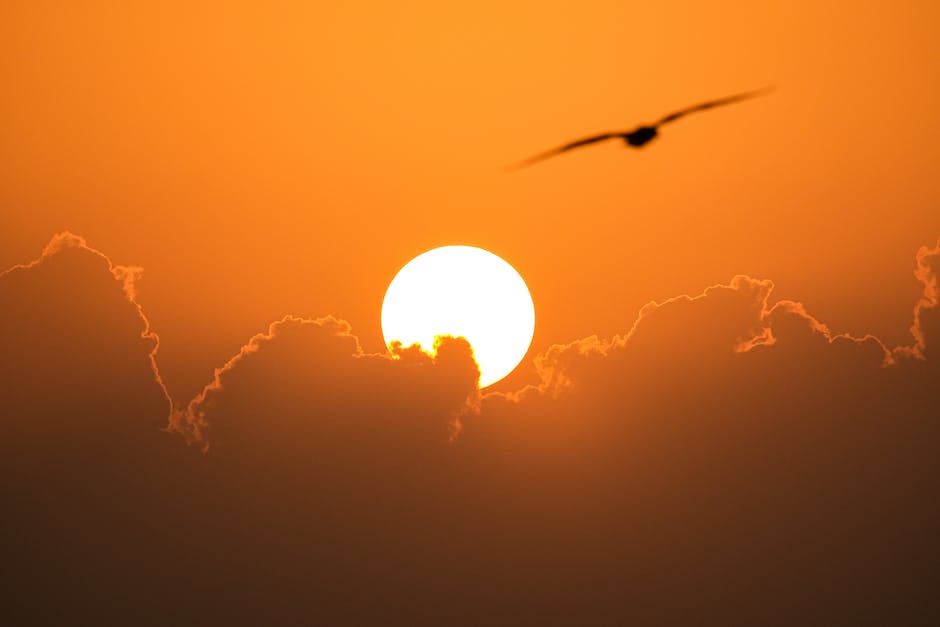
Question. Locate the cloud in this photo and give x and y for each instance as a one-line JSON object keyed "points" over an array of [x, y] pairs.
{"points": [[333, 463], [737, 455], [82, 457], [320, 364], [728, 459], [112, 511], [738, 317], [70, 321], [927, 270]]}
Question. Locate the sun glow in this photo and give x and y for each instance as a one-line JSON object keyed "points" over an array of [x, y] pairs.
{"points": [[467, 292]]}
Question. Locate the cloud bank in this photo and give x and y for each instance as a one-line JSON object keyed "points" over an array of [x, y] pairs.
{"points": [[728, 459]]}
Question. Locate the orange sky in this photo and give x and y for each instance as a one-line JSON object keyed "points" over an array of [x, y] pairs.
{"points": [[729, 409], [264, 161]]}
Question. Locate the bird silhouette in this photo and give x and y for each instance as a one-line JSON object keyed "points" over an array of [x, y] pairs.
{"points": [[642, 135]]}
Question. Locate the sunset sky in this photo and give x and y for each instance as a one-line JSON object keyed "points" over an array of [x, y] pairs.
{"points": [[243, 182]]}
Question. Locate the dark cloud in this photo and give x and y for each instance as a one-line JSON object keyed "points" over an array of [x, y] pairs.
{"points": [[115, 519], [66, 318], [82, 410], [318, 364], [925, 324], [333, 464], [736, 461], [728, 460]]}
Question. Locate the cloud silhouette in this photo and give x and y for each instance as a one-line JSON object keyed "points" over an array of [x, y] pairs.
{"points": [[319, 365], [739, 456], [61, 312], [925, 324], [728, 459], [82, 457], [113, 513]]}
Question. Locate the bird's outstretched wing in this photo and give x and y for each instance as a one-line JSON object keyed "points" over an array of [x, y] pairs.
{"points": [[675, 115], [578, 143]]}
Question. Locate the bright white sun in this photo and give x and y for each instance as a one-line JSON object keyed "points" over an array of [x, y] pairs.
{"points": [[464, 292]]}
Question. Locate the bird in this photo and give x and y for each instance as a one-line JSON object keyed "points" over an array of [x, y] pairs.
{"points": [[642, 135]]}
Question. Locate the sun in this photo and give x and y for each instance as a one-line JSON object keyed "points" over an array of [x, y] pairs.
{"points": [[467, 292]]}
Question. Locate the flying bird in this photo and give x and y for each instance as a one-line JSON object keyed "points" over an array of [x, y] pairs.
{"points": [[642, 135]]}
